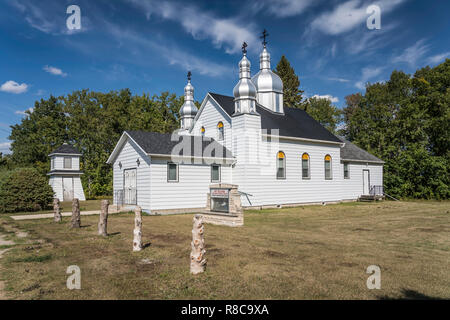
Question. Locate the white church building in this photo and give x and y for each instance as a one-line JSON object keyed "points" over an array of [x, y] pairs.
{"points": [[275, 154]]}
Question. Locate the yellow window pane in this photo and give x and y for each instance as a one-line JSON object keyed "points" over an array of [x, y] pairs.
{"points": [[280, 155], [305, 156], [327, 157]]}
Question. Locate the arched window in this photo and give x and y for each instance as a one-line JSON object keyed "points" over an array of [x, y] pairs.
{"points": [[202, 131], [220, 131], [281, 165], [328, 175], [305, 166]]}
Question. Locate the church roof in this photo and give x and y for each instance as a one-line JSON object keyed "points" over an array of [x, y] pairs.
{"points": [[352, 152], [162, 143], [293, 123], [66, 149]]}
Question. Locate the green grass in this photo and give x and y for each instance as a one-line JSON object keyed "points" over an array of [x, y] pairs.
{"points": [[310, 252]]}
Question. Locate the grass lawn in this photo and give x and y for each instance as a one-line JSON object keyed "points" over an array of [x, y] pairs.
{"points": [[311, 252]]}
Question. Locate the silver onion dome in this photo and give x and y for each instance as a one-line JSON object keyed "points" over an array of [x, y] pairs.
{"points": [[245, 87], [188, 108], [266, 80]]}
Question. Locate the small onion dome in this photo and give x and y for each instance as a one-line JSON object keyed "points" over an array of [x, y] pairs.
{"points": [[245, 87], [188, 108], [266, 80]]}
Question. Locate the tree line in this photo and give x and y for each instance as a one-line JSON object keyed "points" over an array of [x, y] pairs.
{"points": [[403, 121]]}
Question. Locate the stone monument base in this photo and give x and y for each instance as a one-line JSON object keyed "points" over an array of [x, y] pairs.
{"points": [[231, 213], [223, 219]]}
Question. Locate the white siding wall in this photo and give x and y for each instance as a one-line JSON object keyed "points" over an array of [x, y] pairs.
{"points": [[59, 163], [268, 190], [352, 188], [56, 182], [209, 118], [190, 190], [128, 155]]}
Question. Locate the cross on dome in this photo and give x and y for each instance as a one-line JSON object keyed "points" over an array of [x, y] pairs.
{"points": [[264, 36]]}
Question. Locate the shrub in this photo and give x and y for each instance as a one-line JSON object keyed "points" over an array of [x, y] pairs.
{"points": [[24, 190]]}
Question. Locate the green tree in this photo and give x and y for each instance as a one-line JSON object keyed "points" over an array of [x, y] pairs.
{"points": [[324, 112], [406, 122], [291, 84]]}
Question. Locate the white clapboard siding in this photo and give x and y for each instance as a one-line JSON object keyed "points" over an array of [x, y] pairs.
{"points": [[353, 188], [78, 189], [210, 116], [191, 189], [59, 163], [128, 156], [266, 189]]}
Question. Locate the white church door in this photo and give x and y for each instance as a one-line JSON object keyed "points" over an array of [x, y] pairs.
{"points": [[366, 182], [68, 188], [129, 186]]}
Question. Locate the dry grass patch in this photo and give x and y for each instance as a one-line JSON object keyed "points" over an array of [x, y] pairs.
{"points": [[311, 252]]}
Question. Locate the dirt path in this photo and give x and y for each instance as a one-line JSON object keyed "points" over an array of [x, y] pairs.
{"points": [[3, 242]]}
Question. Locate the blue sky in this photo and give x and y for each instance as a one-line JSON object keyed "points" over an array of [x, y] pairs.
{"points": [[148, 46]]}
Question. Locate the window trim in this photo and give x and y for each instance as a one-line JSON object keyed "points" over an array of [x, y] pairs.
{"points": [[284, 166], [178, 172], [220, 173], [64, 163], [52, 163], [325, 167], [309, 166], [348, 169]]}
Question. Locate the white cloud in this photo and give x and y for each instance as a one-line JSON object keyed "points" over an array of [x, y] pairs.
{"points": [[173, 54], [348, 15], [229, 33], [438, 58], [282, 8], [338, 79], [367, 74], [412, 54], [54, 71], [14, 87], [4, 147], [40, 92], [326, 96], [24, 112]]}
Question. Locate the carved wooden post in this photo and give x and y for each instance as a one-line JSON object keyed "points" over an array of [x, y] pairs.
{"points": [[198, 261], [137, 240], [76, 218], [56, 210], [102, 224]]}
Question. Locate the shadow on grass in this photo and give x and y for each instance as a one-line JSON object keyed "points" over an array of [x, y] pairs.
{"points": [[408, 294]]}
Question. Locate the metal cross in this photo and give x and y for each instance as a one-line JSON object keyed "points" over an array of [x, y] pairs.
{"points": [[244, 47], [189, 75], [264, 36]]}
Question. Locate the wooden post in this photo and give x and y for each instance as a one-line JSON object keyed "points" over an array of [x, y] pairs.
{"points": [[102, 224], [198, 261], [76, 218], [137, 240], [56, 210]]}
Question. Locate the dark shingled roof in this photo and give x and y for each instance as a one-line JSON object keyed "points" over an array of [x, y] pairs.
{"points": [[66, 149], [352, 152], [162, 143], [293, 123]]}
